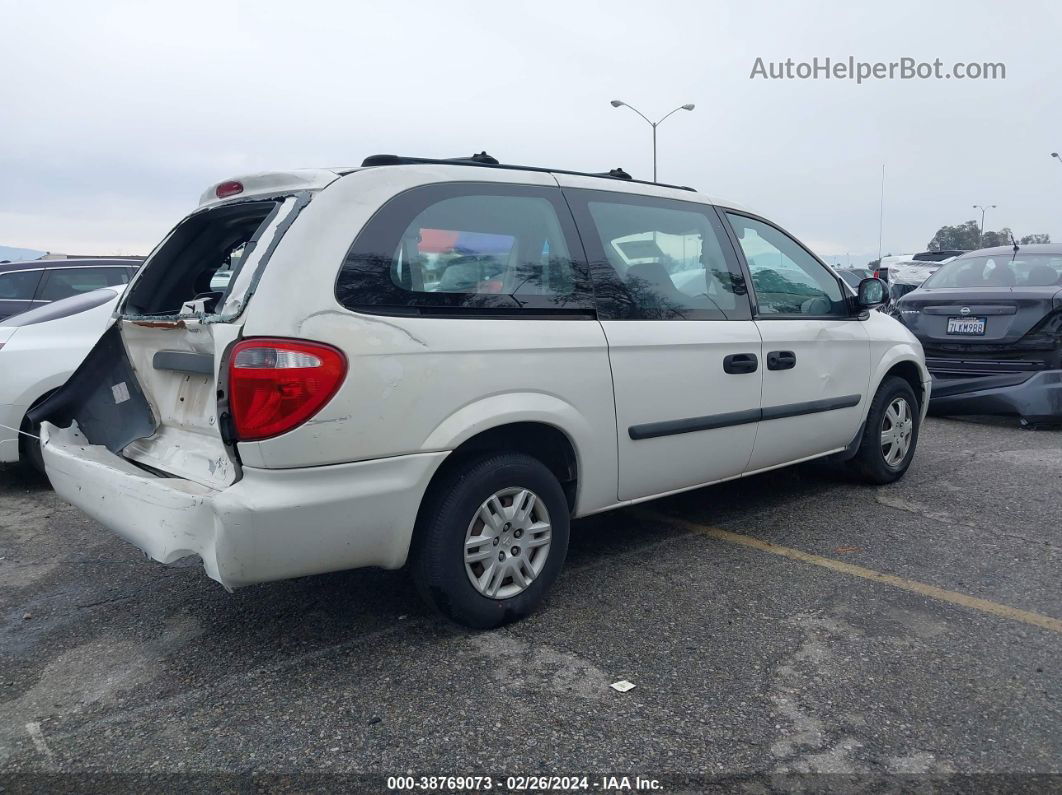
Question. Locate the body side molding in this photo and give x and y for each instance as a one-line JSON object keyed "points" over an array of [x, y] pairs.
{"points": [[652, 430]]}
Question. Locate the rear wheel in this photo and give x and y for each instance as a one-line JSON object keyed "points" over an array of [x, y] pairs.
{"points": [[890, 434], [490, 540]]}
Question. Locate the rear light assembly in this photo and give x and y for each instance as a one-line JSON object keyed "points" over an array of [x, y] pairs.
{"points": [[275, 385]]}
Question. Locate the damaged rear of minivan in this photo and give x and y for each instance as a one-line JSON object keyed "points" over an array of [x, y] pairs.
{"points": [[145, 436]]}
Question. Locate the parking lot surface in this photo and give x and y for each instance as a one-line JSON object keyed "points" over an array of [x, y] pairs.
{"points": [[789, 656]]}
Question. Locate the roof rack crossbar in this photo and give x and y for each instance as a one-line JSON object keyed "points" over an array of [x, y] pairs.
{"points": [[483, 160]]}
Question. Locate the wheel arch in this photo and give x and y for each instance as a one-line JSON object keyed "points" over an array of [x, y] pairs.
{"points": [[541, 440], [539, 424], [909, 371], [904, 361]]}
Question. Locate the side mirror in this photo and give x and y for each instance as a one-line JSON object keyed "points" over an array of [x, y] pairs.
{"points": [[871, 293]]}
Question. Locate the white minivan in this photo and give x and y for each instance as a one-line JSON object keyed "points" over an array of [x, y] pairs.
{"points": [[442, 362]]}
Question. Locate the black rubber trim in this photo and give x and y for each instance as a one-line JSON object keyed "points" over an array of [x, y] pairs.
{"points": [[184, 362], [652, 430], [811, 407]]}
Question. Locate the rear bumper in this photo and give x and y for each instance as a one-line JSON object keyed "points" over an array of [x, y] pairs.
{"points": [[1036, 397], [272, 524]]}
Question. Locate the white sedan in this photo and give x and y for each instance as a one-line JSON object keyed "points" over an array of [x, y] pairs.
{"points": [[39, 350]]}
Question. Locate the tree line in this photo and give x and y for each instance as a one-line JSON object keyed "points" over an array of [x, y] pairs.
{"points": [[967, 237]]}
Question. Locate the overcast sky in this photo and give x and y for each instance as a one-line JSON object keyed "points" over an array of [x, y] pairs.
{"points": [[115, 116]]}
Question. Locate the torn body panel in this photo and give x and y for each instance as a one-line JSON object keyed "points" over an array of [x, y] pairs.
{"points": [[103, 396], [188, 441]]}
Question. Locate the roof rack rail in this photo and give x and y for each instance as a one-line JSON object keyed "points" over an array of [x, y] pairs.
{"points": [[484, 160]]}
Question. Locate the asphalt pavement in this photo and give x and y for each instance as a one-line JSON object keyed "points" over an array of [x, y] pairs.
{"points": [[789, 623]]}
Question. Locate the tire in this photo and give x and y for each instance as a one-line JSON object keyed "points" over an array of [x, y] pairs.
{"points": [[451, 519], [870, 461], [29, 449]]}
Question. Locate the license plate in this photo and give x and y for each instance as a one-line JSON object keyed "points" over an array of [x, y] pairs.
{"points": [[967, 325]]}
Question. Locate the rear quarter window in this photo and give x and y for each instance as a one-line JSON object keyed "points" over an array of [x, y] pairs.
{"points": [[466, 247]]}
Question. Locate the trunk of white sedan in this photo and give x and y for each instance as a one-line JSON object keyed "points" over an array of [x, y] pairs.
{"points": [[153, 391]]}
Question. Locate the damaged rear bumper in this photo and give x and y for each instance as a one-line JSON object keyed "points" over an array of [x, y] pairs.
{"points": [[272, 524], [1036, 397]]}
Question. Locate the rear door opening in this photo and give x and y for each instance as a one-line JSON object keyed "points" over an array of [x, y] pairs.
{"points": [[151, 390]]}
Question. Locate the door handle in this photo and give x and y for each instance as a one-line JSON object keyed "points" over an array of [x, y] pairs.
{"points": [[781, 360], [738, 363]]}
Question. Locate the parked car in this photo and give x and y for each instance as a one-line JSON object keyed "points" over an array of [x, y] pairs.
{"points": [[39, 350], [337, 410], [884, 268], [991, 325], [908, 275], [25, 285], [881, 270]]}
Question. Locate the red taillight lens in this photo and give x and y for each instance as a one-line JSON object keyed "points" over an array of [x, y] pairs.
{"points": [[277, 384], [230, 188], [877, 274]]}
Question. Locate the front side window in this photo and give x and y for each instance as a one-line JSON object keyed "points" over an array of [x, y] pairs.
{"points": [[658, 259], [18, 285], [65, 282], [458, 246], [786, 278]]}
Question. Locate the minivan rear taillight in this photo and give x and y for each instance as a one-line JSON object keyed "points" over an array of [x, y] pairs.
{"points": [[277, 384]]}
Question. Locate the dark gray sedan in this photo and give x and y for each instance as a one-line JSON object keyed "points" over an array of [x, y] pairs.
{"points": [[27, 285], [991, 325]]}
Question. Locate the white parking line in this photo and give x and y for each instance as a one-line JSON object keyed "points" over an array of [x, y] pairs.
{"points": [[39, 742]]}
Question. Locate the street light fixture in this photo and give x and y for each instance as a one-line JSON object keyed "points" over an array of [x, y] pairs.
{"points": [[983, 209], [1056, 156], [617, 103]]}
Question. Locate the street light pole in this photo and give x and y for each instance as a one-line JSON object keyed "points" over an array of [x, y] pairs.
{"points": [[981, 234], [617, 103]]}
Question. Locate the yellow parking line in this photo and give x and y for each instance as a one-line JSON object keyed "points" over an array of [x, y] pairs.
{"points": [[952, 597]]}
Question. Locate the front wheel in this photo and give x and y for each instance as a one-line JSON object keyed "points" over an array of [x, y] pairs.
{"points": [[890, 434], [490, 540]]}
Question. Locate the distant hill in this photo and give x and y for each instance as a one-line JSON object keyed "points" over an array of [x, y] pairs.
{"points": [[15, 254]]}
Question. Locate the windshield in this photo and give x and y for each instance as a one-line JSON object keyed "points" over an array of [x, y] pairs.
{"points": [[1000, 270]]}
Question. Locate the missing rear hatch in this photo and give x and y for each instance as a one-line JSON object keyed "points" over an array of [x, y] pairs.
{"points": [[194, 271]]}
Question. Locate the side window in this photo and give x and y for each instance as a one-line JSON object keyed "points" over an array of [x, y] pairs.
{"points": [[660, 259], [461, 246], [65, 282], [18, 285], [786, 278]]}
